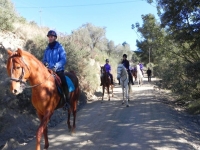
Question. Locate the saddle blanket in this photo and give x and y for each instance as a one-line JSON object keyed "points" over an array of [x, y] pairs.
{"points": [[70, 84]]}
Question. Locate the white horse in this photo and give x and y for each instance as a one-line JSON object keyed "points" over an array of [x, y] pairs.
{"points": [[122, 75], [139, 76]]}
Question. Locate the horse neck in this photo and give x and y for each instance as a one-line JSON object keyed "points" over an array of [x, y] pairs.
{"points": [[38, 72], [124, 74]]}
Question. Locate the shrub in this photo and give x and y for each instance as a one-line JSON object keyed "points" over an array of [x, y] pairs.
{"points": [[7, 15]]}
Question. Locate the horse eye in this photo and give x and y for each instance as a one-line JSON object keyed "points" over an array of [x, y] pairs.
{"points": [[18, 67]]}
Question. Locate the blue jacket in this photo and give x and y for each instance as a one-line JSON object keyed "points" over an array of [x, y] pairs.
{"points": [[55, 57], [107, 67], [141, 66]]}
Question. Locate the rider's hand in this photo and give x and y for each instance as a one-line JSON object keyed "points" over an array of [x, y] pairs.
{"points": [[54, 69], [46, 65]]}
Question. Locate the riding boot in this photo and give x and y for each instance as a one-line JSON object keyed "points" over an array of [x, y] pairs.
{"points": [[101, 82], [65, 90], [66, 96], [131, 78]]}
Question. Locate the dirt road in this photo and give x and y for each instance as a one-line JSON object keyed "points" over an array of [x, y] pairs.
{"points": [[148, 124]]}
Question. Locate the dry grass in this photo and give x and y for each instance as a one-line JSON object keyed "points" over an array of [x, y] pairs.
{"points": [[30, 31]]}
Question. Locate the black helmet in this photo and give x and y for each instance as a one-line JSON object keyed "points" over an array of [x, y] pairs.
{"points": [[52, 33], [107, 60], [125, 55]]}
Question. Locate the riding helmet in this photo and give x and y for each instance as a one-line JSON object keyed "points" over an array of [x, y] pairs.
{"points": [[52, 33], [125, 55]]}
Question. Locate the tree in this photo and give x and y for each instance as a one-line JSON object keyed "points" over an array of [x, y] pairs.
{"points": [[7, 15]]}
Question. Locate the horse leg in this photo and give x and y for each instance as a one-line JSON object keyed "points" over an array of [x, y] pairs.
{"points": [[112, 90], [74, 114], [127, 95], [102, 93], [108, 93], [123, 95], [43, 130], [75, 100], [68, 120]]}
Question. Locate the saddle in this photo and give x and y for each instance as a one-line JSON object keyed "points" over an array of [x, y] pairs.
{"points": [[57, 78]]}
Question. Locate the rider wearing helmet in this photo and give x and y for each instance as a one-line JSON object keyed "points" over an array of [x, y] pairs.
{"points": [[141, 67], [108, 70], [55, 59], [125, 62]]}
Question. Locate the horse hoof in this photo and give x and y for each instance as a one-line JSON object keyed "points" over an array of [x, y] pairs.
{"points": [[123, 103], [127, 105]]}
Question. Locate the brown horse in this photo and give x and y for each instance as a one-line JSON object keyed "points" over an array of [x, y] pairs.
{"points": [[134, 73], [106, 83], [23, 66]]}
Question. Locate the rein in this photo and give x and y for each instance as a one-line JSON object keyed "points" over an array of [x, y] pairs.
{"points": [[20, 79]]}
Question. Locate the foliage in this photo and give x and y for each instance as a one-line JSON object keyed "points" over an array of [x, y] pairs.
{"points": [[7, 15], [174, 45]]}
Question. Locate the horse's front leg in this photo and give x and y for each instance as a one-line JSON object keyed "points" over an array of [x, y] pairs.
{"points": [[123, 95], [43, 130]]}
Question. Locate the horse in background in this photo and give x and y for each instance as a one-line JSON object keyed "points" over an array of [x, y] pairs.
{"points": [[134, 73], [139, 76], [122, 75], [106, 83], [23, 66]]}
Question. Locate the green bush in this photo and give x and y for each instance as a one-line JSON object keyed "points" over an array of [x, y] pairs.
{"points": [[7, 15]]}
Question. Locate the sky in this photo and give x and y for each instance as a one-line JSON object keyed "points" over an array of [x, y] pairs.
{"points": [[67, 15]]}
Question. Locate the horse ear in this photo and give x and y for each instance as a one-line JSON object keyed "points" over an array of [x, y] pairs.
{"points": [[9, 52], [19, 52]]}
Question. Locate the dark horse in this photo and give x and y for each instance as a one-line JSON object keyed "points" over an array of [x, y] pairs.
{"points": [[106, 82], [23, 66], [134, 73]]}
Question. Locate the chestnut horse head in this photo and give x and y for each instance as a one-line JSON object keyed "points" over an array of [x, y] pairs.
{"points": [[23, 66], [106, 82]]}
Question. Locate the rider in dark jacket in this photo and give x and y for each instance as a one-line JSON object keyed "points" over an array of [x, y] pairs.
{"points": [[125, 62]]}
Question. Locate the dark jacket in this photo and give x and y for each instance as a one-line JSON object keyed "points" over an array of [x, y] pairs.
{"points": [[149, 72], [126, 64]]}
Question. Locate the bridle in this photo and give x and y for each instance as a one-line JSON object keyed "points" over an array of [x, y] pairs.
{"points": [[20, 79]]}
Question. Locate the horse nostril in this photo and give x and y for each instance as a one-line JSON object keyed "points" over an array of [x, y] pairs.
{"points": [[15, 91]]}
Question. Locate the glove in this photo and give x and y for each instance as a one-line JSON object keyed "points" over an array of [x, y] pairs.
{"points": [[46, 65], [54, 69]]}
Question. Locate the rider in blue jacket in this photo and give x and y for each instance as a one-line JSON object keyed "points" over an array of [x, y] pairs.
{"points": [[55, 59]]}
